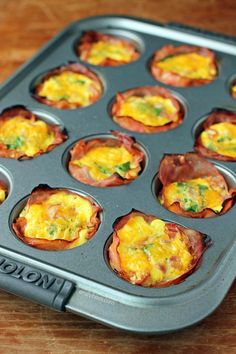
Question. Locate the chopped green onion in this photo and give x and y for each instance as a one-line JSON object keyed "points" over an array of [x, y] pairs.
{"points": [[223, 138], [193, 207], [147, 248], [121, 169], [66, 97], [103, 169], [82, 82], [182, 185], [17, 143], [51, 229], [168, 57], [202, 189], [158, 110]]}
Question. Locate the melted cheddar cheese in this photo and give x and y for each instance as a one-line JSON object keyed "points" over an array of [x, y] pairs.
{"points": [[147, 253], [221, 138], [2, 194], [115, 50], [233, 89], [71, 87], [104, 161], [150, 110], [189, 65], [25, 136], [61, 216], [195, 194]]}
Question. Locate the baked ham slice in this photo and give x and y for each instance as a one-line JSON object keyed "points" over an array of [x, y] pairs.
{"points": [[130, 123], [183, 168], [82, 173], [175, 79], [160, 258], [20, 111], [95, 88], [216, 116], [40, 195], [91, 38]]}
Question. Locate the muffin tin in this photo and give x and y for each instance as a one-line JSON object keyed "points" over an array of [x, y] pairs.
{"points": [[80, 280]]}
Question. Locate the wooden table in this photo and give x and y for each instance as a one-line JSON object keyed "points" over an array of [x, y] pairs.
{"points": [[25, 25]]}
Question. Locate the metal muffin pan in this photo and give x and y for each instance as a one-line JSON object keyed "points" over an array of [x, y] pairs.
{"points": [[80, 280]]}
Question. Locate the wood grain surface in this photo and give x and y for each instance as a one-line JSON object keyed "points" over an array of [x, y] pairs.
{"points": [[25, 25]]}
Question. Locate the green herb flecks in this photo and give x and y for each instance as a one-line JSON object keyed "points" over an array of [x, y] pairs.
{"points": [[223, 139], [148, 108], [123, 167], [202, 189], [193, 207], [65, 97], [16, 144], [51, 229], [167, 57], [81, 82], [147, 249], [211, 146], [183, 186], [158, 110], [104, 170], [196, 202]]}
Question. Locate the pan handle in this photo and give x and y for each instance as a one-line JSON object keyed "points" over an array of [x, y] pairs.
{"points": [[35, 284]]}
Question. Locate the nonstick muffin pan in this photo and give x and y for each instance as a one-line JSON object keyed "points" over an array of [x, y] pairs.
{"points": [[80, 280]]}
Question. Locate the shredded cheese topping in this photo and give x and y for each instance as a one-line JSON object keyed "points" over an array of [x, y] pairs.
{"points": [[25, 136], [71, 87], [104, 161], [149, 255], [220, 138], [61, 216], [116, 50], [150, 110], [189, 65], [195, 194]]}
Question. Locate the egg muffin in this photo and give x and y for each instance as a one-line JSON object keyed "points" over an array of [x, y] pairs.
{"points": [[57, 219], [193, 187], [150, 252], [217, 139], [3, 192], [184, 65], [106, 162], [68, 87], [106, 50], [23, 135], [147, 109]]}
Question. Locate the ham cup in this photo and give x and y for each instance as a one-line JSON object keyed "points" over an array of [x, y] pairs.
{"points": [[193, 187], [23, 135], [69, 87], [147, 109], [57, 219], [150, 252], [184, 66], [106, 49], [106, 162], [217, 139]]}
